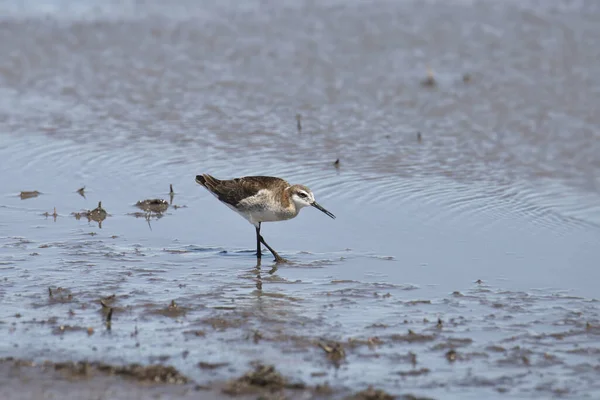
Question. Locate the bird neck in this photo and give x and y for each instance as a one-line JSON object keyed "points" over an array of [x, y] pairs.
{"points": [[286, 199], [287, 202]]}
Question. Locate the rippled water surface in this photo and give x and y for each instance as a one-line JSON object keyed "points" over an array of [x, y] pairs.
{"points": [[474, 201]]}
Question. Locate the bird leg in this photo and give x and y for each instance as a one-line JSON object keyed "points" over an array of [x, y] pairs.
{"points": [[278, 258], [259, 240], [258, 250]]}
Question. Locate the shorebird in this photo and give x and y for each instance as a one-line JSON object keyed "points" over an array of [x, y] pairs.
{"points": [[261, 199]]}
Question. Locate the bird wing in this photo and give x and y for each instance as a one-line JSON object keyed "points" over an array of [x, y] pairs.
{"points": [[233, 191]]}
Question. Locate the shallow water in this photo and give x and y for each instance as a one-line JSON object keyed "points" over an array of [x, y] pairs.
{"points": [[490, 222]]}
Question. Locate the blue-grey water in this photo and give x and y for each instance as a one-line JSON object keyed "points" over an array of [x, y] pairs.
{"points": [[489, 220]]}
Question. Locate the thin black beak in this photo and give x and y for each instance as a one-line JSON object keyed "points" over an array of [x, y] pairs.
{"points": [[318, 207]]}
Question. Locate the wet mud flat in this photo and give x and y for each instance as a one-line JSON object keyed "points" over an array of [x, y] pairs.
{"points": [[119, 301], [113, 300], [27, 380], [263, 336], [517, 362]]}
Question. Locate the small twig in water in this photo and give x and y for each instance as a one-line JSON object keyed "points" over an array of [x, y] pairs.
{"points": [[430, 80], [109, 317], [298, 123]]}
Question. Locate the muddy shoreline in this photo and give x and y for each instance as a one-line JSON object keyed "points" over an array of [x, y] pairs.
{"points": [[25, 379]]}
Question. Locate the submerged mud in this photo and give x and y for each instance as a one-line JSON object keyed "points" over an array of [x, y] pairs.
{"points": [[263, 381]]}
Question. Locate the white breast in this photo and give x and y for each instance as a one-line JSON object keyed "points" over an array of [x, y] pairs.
{"points": [[264, 207]]}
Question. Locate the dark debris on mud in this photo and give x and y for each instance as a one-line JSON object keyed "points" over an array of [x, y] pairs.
{"points": [[412, 337], [377, 394], [430, 80], [262, 381], [83, 370], [29, 194], [173, 310], [220, 324], [106, 302], [98, 214], [263, 378], [414, 372], [211, 366], [59, 295], [335, 352], [158, 206], [53, 215], [371, 394], [61, 329], [265, 382]]}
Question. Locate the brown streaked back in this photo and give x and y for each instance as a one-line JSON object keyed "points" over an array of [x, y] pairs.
{"points": [[233, 191]]}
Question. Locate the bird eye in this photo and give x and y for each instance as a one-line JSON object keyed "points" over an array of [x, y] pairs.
{"points": [[302, 194]]}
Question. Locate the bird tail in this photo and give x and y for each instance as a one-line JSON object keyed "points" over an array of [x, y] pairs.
{"points": [[201, 180], [207, 181]]}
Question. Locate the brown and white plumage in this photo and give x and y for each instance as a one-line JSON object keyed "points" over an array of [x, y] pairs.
{"points": [[261, 199]]}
